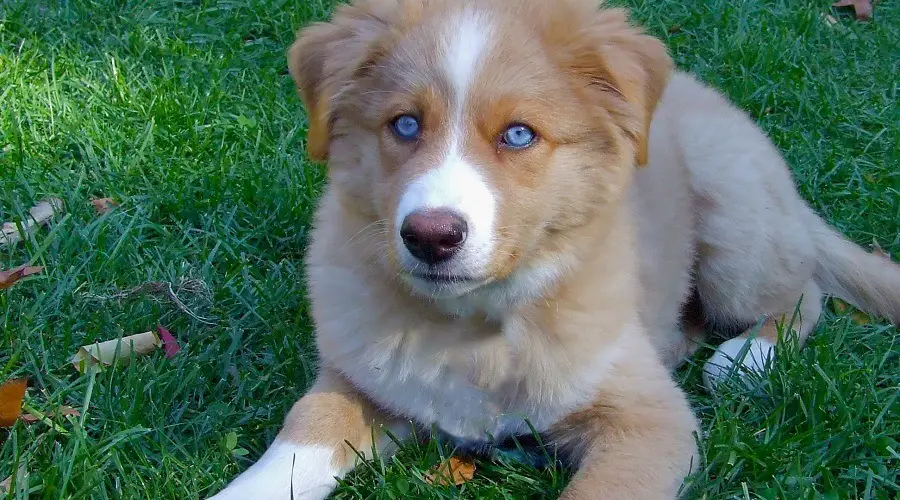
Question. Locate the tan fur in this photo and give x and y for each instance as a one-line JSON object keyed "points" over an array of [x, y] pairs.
{"points": [[602, 276], [333, 414]]}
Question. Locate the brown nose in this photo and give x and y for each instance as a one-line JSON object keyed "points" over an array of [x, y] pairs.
{"points": [[433, 236]]}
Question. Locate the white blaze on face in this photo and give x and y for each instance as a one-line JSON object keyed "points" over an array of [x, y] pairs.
{"points": [[456, 184], [466, 42]]}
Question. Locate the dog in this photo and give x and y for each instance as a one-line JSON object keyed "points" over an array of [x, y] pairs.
{"points": [[530, 220]]}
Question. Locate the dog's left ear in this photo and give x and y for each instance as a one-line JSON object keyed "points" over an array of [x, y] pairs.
{"points": [[306, 64], [627, 71], [327, 57]]}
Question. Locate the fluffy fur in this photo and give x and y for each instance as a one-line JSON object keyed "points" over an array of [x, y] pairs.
{"points": [[583, 281]]}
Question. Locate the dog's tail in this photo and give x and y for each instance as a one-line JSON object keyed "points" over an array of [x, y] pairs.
{"points": [[869, 281]]}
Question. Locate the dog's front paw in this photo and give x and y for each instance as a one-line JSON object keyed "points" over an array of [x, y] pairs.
{"points": [[286, 471], [737, 357]]}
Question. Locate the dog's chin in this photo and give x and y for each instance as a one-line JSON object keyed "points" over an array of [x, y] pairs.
{"points": [[442, 285]]}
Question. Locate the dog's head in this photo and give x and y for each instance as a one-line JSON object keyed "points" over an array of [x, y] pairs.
{"points": [[477, 132]]}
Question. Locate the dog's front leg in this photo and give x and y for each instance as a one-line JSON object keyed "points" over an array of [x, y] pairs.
{"points": [[635, 442], [317, 444]]}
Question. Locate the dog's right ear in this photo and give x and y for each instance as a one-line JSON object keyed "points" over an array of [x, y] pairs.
{"points": [[325, 58], [626, 69]]}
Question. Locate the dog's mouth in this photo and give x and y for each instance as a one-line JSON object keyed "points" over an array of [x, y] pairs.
{"points": [[441, 285], [445, 278]]}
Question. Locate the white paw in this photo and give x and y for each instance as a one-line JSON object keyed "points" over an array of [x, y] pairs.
{"points": [[307, 470], [722, 363]]}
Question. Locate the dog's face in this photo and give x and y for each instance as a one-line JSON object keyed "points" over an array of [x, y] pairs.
{"points": [[475, 134]]}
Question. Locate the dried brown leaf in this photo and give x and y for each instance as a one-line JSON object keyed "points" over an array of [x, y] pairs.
{"points": [[11, 394], [103, 205], [456, 470], [9, 277], [856, 316], [840, 306], [38, 215], [115, 351], [861, 8], [860, 318]]}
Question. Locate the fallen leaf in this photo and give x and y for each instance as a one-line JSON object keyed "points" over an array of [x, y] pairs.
{"points": [[9, 277], [231, 440], [38, 215], [103, 205], [456, 470], [118, 350], [877, 250], [860, 318], [64, 411], [840, 306], [856, 316], [169, 343], [862, 8], [11, 394]]}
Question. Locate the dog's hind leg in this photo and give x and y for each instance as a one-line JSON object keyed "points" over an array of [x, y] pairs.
{"points": [[756, 262], [752, 350], [757, 256]]}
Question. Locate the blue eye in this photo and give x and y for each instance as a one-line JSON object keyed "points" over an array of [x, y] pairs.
{"points": [[406, 127], [518, 137]]}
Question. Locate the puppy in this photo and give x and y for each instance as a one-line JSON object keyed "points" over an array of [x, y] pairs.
{"points": [[521, 206]]}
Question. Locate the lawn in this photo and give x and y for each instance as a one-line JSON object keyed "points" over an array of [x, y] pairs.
{"points": [[183, 112]]}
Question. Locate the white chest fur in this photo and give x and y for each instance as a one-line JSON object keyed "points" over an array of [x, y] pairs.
{"points": [[473, 387]]}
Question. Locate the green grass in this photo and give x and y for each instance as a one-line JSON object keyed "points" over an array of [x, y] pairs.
{"points": [[182, 110]]}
